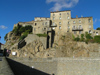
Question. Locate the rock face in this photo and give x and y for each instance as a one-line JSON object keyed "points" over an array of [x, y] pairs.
{"points": [[63, 46], [11, 40]]}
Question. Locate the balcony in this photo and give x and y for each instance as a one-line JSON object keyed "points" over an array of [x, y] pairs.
{"points": [[54, 25], [77, 29]]}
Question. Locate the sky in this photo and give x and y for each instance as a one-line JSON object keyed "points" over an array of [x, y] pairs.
{"points": [[14, 11]]}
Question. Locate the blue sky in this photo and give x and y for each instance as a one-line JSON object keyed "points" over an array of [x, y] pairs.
{"points": [[14, 11]]}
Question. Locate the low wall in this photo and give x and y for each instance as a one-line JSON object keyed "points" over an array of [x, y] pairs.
{"points": [[64, 66]]}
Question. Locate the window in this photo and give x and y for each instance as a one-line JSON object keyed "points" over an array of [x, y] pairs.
{"points": [[96, 33], [73, 21], [45, 23], [68, 27], [67, 13], [79, 21], [74, 27], [90, 31], [53, 14], [89, 20], [68, 22], [35, 24], [89, 26], [80, 27], [44, 28], [60, 23], [68, 17], [80, 32], [60, 18], [60, 14], [74, 32], [59, 27], [53, 23], [53, 18], [42, 23]]}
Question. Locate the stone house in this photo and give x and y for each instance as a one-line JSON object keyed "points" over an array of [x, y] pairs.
{"points": [[61, 22]]}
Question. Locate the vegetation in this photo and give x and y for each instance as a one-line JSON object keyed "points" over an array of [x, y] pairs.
{"points": [[42, 35], [98, 28], [19, 29], [5, 36], [24, 31], [87, 38]]}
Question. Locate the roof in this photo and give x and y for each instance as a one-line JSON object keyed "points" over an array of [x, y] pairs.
{"points": [[60, 11]]}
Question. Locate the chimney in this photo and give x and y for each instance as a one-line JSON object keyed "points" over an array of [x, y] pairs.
{"points": [[76, 16]]}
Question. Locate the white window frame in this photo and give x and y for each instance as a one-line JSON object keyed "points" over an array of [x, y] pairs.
{"points": [[79, 21], [59, 23], [74, 22], [68, 17]]}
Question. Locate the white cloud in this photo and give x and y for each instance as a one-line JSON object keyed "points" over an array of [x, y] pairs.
{"points": [[59, 4], [3, 27]]}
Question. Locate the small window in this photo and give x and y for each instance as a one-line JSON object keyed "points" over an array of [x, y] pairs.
{"points": [[53, 14], [53, 18], [68, 17], [68, 22], [90, 31], [80, 27], [44, 29], [74, 32], [53, 23], [80, 32], [60, 23], [68, 27], [60, 18], [59, 27], [67, 13], [89, 20], [73, 21], [89, 26], [96, 33], [45, 23], [79, 21], [35, 24], [60, 14]]}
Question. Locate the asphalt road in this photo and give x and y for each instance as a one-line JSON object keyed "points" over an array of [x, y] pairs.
{"points": [[4, 67]]}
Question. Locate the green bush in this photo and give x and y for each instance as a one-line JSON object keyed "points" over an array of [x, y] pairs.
{"points": [[42, 35], [24, 35], [77, 38], [97, 39], [88, 36], [98, 28], [82, 37]]}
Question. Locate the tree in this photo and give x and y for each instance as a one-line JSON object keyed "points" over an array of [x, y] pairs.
{"points": [[98, 28]]}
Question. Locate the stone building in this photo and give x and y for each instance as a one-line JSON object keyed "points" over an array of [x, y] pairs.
{"points": [[61, 22]]}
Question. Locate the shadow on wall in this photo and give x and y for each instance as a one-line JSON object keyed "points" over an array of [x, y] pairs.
{"points": [[21, 69]]}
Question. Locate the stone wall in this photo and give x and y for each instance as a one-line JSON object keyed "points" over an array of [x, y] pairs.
{"points": [[29, 39], [64, 66]]}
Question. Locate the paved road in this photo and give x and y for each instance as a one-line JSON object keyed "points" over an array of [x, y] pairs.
{"points": [[4, 67]]}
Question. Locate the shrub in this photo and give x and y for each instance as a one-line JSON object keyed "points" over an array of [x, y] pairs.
{"points": [[82, 37], [97, 39], [98, 28], [42, 35], [77, 38], [88, 36]]}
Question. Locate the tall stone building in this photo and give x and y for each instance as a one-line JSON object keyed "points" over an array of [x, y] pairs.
{"points": [[61, 22]]}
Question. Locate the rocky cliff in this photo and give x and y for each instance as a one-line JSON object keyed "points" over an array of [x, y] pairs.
{"points": [[64, 46]]}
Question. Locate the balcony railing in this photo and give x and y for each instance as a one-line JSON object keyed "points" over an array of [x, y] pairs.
{"points": [[77, 29], [54, 25]]}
